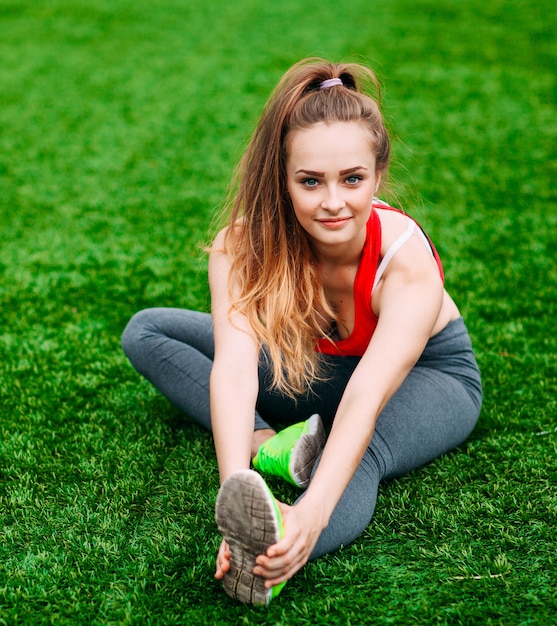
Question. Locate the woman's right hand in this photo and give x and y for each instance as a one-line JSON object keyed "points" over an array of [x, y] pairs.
{"points": [[302, 527], [223, 560]]}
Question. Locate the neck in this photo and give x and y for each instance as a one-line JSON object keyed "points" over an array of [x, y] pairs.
{"points": [[344, 255]]}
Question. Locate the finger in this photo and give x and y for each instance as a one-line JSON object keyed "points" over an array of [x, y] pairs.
{"points": [[224, 564], [282, 547], [286, 574], [221, 571], [281, 566], [223, 560]]}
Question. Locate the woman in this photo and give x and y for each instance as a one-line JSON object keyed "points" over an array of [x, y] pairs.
{"points": [[329, 314]]}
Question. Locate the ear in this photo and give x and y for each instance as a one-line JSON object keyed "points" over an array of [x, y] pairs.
{"points": [[377, 181]]}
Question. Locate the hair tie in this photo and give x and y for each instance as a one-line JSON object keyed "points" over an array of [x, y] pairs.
{"points": [[330, 82]]}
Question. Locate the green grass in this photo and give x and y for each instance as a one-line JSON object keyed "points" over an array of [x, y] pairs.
{"points": [[120, 123]]}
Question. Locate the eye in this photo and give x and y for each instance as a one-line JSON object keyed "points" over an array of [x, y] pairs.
{"points": [[310, 182], [353, 180]]}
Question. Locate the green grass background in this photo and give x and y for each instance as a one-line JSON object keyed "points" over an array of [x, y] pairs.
{"points": [[120, 123]]}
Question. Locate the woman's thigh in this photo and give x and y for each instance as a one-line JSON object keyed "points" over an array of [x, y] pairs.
{"points": [[174, 350], [150, 328], [430, 414]]}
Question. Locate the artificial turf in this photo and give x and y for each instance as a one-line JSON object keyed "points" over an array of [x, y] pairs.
{"points": [[120, 124]]}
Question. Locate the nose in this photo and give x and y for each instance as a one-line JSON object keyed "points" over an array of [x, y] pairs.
{"points": [[332, 201]]}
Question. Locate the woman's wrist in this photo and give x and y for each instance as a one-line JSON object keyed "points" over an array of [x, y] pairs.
{"points": [[315, 507]]}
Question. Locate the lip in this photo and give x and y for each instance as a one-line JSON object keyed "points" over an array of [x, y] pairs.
{"points": [[336, 222]]}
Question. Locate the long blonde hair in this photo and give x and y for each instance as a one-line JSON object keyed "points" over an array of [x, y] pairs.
{"points": [[273, 269]]}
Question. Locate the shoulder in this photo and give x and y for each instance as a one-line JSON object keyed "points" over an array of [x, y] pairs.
{"points": [[393, 224], [224, 243], [405, 245], [225, 254], [227, 237], [219, 259], [219, 241]]}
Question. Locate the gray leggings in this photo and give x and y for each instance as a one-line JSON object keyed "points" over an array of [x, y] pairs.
{"points": [[434, 410]]}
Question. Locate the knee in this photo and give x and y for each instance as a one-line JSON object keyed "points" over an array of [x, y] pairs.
{"points": [[135, 332]]}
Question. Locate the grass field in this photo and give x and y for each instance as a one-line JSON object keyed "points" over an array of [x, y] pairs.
{"points": [[120, 123]]}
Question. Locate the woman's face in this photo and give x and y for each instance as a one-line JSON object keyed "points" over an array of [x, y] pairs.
{"points": [[331, 179]]}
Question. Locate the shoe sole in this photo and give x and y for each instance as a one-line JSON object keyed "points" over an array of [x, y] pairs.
{"points": [[308, 447], [247, 519]]}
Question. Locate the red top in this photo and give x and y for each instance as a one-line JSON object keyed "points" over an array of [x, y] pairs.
{"points": [[365, 319]]}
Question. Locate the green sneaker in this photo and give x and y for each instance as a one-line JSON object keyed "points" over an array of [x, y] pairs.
{"points": [[292, 452], [250, 521]]}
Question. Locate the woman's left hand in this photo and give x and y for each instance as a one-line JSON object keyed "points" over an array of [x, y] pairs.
{"points": [[283, 559], [223, 560]]}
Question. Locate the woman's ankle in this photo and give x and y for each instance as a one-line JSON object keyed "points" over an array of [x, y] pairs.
{"points": [[259, 437]]}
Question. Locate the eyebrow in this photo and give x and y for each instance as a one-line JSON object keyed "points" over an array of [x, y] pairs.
{"points": [[350, 170]]}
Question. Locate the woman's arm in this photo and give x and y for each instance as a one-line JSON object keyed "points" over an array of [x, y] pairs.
{"points": [[234, 377], [408, 302]]}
